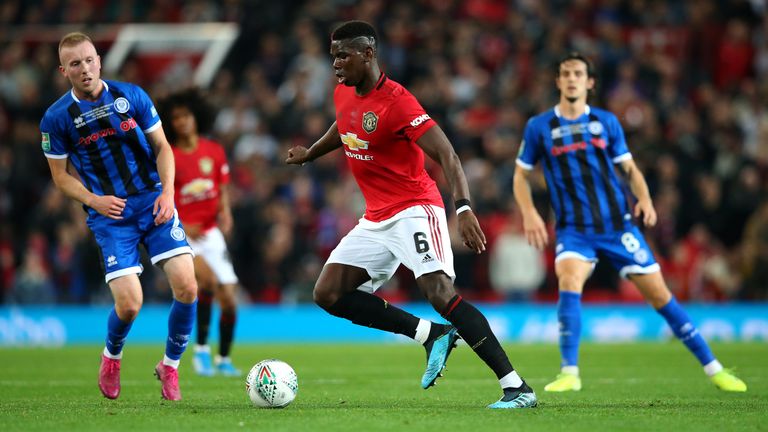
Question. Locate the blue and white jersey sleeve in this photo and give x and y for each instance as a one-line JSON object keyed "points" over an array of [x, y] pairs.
{"points": [[528, 154], [53, 141], [145, 113], [617, 144]]}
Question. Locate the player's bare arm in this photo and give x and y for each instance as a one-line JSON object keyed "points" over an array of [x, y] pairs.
{"points": [[108, 205], [164, 207], [225, 211], [533, 224], [644, 207], [330, 141], [436, 145]]}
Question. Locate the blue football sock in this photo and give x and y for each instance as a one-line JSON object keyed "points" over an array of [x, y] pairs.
{"points": [[117, 331], [569, 317], [683, 328], [181, 319]]}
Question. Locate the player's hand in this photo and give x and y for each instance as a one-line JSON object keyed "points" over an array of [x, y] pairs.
{"points": [[109, 206], [225, 222], [646, 210], [535, 230], [297, 155], [470, 231], [163, 209]]}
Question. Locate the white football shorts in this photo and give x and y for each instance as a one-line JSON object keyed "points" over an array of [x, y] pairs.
{"points": [[417, 237], [212, 247]]}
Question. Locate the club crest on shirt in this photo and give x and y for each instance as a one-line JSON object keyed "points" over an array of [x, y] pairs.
{"points": [[206, 165], [370, 121], [121, 105]]}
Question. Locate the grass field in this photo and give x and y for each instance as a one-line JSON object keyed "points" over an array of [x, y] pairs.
{"points": [[359, 388]]}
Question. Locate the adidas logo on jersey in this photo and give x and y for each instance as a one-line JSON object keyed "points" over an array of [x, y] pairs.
{"points": [[427, 258]]}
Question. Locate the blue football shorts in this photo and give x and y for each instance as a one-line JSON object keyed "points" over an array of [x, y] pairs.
{"points": [[118, 240], [627, 250]]}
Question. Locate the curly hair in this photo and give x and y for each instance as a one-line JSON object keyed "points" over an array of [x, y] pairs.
{"points": [[193, 100]]}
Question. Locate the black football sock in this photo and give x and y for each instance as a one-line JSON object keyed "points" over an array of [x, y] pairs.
{"points": [[204, 300], [226, 332], [436, 330], [475, 330], [371, 311]]}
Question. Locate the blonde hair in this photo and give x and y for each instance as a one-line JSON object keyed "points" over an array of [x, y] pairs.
{"points": [[72, 39]]}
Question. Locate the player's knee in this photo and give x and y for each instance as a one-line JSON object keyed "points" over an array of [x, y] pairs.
{"points": [[571, 283], [128, 310], [324, 296], [228, 303], [437, 288], [185, 291]]}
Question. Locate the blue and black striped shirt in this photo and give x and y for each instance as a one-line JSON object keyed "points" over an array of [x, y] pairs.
{"points": [[578, 159], [105, 140]]}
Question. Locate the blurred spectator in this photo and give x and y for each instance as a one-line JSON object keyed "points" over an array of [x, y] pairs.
{"points": [[688, 80]]}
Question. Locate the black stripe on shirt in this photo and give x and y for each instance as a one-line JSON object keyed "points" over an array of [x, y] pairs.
{"points": [[132, 139], [115, 145], [94, 155], [565, 171], [589, 185], [606, 169]]}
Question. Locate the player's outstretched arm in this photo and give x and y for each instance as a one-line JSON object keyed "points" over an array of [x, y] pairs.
{"points": [[166, 168], [644, 207], [109, 206], [299, 155], [533, 224], [436, 145]]}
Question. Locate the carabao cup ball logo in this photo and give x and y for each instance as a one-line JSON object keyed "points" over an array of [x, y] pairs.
{"points": [[122, 105]]}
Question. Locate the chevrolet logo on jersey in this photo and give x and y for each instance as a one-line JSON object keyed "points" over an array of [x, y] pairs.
{"points": [[352, 142]]}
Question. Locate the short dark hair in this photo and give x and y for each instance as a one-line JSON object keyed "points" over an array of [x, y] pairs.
{"points": [[353, 29], [193, 100], [575, 55]]}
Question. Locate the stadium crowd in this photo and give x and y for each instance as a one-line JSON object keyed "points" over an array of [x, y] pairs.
{"points": [[688, 80]]}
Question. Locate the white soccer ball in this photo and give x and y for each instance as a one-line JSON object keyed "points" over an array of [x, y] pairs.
{"points": [[271, 383]]}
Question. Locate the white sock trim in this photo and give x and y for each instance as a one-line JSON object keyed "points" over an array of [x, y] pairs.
{"points": [[108, 354], [511, 379], [203, 348], [712, 367], [422, 331], [170, 362], [570, 370]]}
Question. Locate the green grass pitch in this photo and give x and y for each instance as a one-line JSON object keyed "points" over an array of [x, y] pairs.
{"points": [[628, 387]]}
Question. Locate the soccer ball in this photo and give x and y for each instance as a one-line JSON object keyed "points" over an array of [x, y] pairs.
{"points": [[271, 383]]}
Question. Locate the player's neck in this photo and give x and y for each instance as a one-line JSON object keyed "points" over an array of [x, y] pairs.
{"points": [[572, 110], [92, 96], [370, 81], [187, 143]]}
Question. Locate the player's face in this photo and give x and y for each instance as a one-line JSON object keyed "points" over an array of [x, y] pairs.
{"points": [[183, 122], [82, 67], [349, 63], [573, 80]]}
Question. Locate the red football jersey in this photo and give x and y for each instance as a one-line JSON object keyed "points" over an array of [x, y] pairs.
{"points": [[200, 175], [378, 134]]}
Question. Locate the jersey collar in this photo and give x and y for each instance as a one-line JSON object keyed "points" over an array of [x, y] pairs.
{"points": [[72, 92], [558, 114]]}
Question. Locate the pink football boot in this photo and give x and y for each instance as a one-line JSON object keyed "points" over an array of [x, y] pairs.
{"points": [[109, 377], [169, 378]]}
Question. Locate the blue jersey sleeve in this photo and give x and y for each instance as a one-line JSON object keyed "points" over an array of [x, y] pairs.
{"points": [[146, 114], [53, 140], [617, 144], [528, 154]]}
